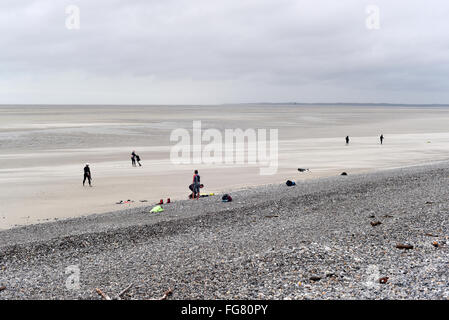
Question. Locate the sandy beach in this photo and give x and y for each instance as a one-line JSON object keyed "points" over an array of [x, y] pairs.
{"points": [[327, 238], [223, 156], [43, 150]]}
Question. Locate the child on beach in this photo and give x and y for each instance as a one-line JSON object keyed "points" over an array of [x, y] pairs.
{"points": [[196, 185], [192, 195]]}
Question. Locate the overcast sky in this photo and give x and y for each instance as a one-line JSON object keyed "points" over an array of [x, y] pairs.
{"points": [[222, 51]]}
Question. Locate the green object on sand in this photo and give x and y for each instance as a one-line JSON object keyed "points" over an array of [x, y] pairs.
{"points": [[157, 208]]}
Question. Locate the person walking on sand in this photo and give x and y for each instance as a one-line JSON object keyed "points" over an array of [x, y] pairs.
{"points": [[196, 185], [347, 139], [381, 139], [133, 158], [138, 160], [87, 175]]}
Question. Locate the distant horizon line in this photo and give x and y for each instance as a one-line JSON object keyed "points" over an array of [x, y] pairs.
{"points": [[239, 103]]}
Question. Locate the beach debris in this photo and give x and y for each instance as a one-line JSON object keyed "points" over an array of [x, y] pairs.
{"points": [[102, 294], [372, 216], [123, 202], [290, 183], [404, 246], [226, 198], [435, 244], [383, 280], [315, 278], [387, 216], [343, 174], [157, 208], [119, 296], [2, 288], [272, 216], [167, 294], [375, 223], [303, 169], [143, 200], [429, 202], [431, 235]]}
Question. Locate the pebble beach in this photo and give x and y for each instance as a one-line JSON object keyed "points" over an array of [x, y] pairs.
{"points": [[382, 235]]}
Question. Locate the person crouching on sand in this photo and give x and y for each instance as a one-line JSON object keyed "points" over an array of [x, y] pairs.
{"points": [[196, 185], [192, 195], [87, 175]]}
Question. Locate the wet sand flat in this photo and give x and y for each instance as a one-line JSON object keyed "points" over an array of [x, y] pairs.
{"points": [[43, 149]]}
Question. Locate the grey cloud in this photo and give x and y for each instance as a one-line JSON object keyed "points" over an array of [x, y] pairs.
{"points": [[203, 51]]}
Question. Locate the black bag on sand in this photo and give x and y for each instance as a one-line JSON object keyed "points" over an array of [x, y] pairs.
{"points": [[290, 183], [226, 198]]}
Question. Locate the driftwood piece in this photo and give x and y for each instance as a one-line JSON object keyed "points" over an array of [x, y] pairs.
{"points": [[119, 296], [375, 223], [167, 293], [404, 246], [102, 294], [431, 235], [2, 288]]}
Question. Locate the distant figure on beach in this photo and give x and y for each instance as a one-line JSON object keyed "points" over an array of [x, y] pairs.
{"points": [[347, 139], [138, 160], [196, 185], [133, 158], [87, 175], [381, 139]]}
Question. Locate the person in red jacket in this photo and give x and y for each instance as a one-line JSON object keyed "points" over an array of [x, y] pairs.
{"points": [[196, 185]]}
